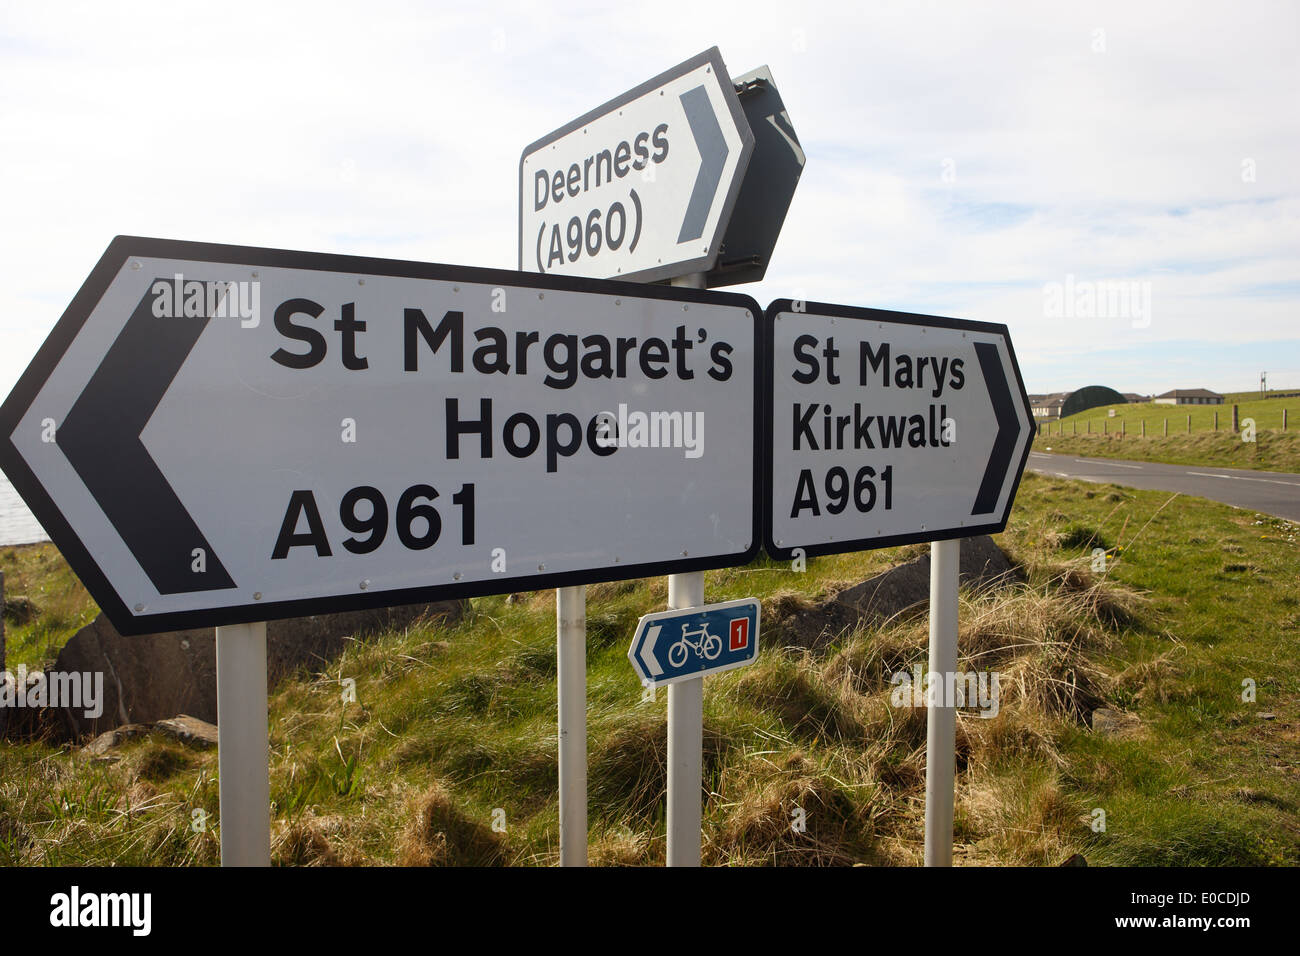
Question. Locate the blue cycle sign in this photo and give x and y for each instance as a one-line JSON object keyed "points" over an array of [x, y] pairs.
{"points": [[672, 646]]}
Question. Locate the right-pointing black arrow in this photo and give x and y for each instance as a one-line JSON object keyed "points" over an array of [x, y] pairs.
{"points": [[101, 439], [1008, 428], [713, 156]]}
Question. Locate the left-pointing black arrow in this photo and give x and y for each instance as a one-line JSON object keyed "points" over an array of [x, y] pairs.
{"points": [[101, 439]]}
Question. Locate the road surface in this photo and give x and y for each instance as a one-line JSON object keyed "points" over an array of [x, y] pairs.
{"points": [[1272, 492]]}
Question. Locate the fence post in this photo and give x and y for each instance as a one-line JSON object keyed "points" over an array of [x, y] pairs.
{"points": [[1284, 419], [1144, 428], [1189, 424], [1166, 426], [1216, 419], [1234, 419]]}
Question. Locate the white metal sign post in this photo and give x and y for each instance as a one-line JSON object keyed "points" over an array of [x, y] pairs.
{"points": [[941, 712], [219, 435], [685, 742], [243, 751], [890, 428], [571, 703]]}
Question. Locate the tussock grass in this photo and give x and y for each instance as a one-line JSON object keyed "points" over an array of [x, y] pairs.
{"points": [[441, 833]]}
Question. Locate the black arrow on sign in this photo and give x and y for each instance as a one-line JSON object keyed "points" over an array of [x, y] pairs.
{"points": [[713, 156], [1008, 428], [101, 439]]}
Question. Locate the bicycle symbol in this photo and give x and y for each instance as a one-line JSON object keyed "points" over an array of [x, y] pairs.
{"points": [[708, 646]]}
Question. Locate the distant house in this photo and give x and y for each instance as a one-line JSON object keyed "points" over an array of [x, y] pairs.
{"points": [[1190, 396], [1048, 405], [1054, 405], [1135, 399]]}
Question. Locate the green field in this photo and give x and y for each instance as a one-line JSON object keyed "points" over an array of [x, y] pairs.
{"points": [[45, 604], [1254, 395], [1094, 433], [453, 724]]}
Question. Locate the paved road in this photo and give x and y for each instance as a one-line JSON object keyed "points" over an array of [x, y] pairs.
{"points": [[1272, 492]]}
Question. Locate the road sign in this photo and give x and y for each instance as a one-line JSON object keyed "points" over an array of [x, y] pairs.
{"points": [[672, 646], [217, 434], [888, 428], [642, 187], [774, 170]]}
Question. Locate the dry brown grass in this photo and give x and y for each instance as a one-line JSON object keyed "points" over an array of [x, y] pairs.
{"points": [[790, 809], [442, 834], [861, 784]]}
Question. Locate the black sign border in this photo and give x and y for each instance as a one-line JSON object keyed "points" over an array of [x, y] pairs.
{"points": [[786, 553], [705, 263], [111, 263]]}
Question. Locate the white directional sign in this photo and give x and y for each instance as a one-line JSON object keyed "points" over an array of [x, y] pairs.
{"points": [[888, 428], [642, 187], [217, 434]]}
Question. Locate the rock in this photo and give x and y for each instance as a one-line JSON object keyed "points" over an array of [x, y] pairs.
{"points": [[186, 729], [19, 610], [893, 592], [111, 739], [189, 730], [1113, 723], [145, 678], [154, 677], [982, 565], [1075, 859], [30, 721]]}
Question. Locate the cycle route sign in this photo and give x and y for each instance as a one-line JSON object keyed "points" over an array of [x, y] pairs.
{"points": [[671, 646]]}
